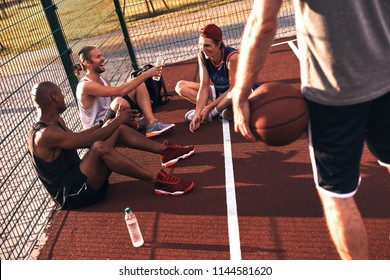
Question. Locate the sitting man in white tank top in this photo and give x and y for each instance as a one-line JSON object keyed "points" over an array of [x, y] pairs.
{"points": [[96, 96]]}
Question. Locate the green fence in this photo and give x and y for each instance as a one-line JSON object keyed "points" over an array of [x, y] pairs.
{"points": [[39, 40]]}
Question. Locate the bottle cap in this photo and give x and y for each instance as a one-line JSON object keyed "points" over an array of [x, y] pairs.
{"points": [[127, 210]]}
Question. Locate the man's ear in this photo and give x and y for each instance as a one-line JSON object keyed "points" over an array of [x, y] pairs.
{"points": [[86, 62], [54, 96]]}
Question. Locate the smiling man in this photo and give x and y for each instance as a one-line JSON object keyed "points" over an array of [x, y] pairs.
{"points": [[97, 98], [217, 68]]}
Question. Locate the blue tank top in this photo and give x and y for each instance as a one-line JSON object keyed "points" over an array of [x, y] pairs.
{"points": [[219, 74]]}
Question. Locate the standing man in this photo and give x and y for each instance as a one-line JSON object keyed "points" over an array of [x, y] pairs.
{"points": [[96, 97], [345, 70], [73, 182]]}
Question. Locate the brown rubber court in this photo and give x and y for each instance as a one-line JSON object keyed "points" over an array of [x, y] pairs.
{"points": [[278, 213]]}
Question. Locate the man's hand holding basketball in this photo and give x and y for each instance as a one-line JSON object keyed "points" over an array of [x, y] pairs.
{"points": [[241, 114]]}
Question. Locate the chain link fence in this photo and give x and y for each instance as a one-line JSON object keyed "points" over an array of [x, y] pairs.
{"points": [[39, 41]]}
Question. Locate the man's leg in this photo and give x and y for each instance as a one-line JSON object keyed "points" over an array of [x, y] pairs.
{"points": [[169, 153], [133, 139], [346, 227], [336, 137], [224, 107], [141, 97], [188, 90], [102, 156], [153, 127]]}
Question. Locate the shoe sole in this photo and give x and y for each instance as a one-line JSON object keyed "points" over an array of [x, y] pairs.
{"points": [[177, 193], [156, 133], [175, 160]]}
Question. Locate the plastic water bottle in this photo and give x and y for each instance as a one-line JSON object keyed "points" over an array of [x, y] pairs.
{"points": [[133, 227], [159, 62]]}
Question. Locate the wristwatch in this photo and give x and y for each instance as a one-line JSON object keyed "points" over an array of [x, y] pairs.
{"points": [[100, 123]]}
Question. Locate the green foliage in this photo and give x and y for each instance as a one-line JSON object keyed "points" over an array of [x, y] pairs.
{"points": [[24, 26]]}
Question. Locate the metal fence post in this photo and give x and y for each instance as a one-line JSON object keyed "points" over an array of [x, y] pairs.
{"points": [[126, 34], [59, 38]]}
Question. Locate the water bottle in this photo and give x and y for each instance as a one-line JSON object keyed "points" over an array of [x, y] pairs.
{"points": [[133, 227], [159, 62]]}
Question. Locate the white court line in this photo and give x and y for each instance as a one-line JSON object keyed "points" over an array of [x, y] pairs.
{"points": [[294, 49], [292, 46], [233, 228]]}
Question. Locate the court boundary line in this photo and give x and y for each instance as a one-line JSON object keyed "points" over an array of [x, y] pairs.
{"points": [[292, 46], [231, 203], [294, 49]]}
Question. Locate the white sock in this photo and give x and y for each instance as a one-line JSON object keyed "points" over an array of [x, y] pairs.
{"points": [[214, 112]]}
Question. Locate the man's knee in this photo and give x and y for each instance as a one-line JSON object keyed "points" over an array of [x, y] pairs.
{"points": [[119, 101], [179, 87], [101, 148]]}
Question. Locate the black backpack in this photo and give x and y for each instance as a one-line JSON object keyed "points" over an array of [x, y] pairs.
{"points": [[157, 90]]}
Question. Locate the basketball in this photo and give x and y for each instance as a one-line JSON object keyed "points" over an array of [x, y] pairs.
{"points": [[279, 113]]}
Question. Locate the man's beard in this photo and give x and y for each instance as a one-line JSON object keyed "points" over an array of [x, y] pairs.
{"points": [[99, 70]]}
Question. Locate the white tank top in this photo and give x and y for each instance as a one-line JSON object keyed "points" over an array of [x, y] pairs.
{"points": [[96, 112]]}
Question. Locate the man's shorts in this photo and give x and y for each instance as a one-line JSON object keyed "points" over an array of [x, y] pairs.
{"points": [[336, 138], [80, 194], [132, 104]]}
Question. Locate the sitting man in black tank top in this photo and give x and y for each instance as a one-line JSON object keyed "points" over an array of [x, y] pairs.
{"points": [[74, 182]]}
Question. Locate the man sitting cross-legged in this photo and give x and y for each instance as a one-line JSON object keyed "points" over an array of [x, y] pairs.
{"points": [[73, 182]]}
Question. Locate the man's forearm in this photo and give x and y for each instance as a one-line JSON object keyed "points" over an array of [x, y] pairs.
{"points": [[257, 38]]}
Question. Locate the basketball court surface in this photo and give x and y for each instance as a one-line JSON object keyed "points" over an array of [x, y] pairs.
{"points": [[250, 201]]}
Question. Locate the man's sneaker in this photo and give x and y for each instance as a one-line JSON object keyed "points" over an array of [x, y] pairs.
{"points": [[171, 154], [157, 128], [227, 114], [166, 184], [190, 115], [142, 123]]}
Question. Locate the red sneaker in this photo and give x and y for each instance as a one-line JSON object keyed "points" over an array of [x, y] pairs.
{"points": [[167, 184], [172, 153]]}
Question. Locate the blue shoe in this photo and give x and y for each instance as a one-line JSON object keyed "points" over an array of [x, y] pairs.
{"points": [[157, 128]]}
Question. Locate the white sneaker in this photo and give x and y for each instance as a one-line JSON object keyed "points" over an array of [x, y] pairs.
{"points": [[227, 114], [189, 116]]}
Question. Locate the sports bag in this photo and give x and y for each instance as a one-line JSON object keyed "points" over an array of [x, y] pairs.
{"points": [[157, 90]]}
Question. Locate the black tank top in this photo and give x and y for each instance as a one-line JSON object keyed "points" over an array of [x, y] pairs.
{"points": [[53, 174]]}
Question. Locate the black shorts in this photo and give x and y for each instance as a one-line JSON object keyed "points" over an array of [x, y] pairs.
{"points": [[80, 194], [132, 104], [337, 135]]}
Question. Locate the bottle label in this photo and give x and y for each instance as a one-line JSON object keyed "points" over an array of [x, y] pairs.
{"points": [[135, 232]]}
